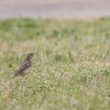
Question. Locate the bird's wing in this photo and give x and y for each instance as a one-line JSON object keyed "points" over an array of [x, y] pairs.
{"points": [[23, 67]]}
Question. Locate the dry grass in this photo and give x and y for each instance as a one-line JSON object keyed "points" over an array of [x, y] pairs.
{"points": [[71, 68]]}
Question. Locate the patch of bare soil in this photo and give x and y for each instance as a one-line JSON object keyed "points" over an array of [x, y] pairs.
{"points": [[62, 9]]}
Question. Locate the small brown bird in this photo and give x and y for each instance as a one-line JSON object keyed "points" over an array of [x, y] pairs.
{"points": [[26, 65]]}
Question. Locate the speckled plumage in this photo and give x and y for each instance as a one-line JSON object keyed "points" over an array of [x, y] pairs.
{"points": [[23, 69]]}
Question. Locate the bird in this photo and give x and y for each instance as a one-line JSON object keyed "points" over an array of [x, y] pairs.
{"points": [[25, 66]]}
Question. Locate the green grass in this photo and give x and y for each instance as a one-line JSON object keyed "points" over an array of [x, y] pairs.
{"points": [[71, 69]]}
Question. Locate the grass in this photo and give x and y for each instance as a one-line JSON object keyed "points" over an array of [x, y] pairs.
{"points": [[71, 69]]}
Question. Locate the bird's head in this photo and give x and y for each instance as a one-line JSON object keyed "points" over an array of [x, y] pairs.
{"points": [[29, 57]]}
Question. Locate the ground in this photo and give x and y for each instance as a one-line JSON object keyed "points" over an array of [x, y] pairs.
{"points": [[71, 64], [60, 9]]}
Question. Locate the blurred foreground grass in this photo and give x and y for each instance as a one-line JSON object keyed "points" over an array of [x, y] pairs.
{"points": [[71, 69]]}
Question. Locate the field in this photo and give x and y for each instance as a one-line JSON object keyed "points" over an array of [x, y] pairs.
{"points": [[71, 64]]}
